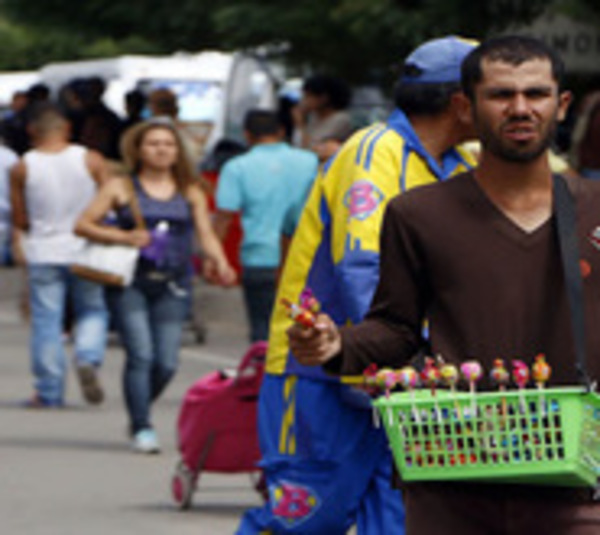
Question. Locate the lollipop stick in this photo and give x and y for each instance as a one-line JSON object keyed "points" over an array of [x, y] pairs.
{"points": [[503, 407], [438, 411], [457, 406], [473, 400], [436, 406], [415, 411], [522, 401], [542, 402]]}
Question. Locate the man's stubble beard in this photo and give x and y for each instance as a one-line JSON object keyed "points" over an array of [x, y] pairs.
{"points": [[512, 152]]}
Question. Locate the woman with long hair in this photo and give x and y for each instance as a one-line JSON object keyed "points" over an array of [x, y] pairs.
{"points": [[150, 313]]}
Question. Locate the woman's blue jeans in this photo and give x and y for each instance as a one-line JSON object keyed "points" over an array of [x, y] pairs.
{"points": [[150, 318]]}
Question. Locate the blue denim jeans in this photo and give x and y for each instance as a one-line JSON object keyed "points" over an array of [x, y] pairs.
{"points": [[49, 287], [150, 318], [260, 287]]}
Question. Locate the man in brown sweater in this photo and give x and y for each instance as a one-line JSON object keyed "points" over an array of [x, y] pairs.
{"points": [[478, 257]]}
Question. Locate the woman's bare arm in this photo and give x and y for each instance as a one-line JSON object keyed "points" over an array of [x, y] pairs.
{"points": [[90, 224]]}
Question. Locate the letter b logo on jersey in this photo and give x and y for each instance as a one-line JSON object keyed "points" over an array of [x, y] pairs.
{"points": [[293, 503], [362, 199]]}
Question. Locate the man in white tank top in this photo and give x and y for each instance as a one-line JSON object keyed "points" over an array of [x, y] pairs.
{"points": [[50, 186]]}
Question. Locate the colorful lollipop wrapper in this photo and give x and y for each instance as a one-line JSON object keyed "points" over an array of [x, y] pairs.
{"points": [[370, 375], [500, 377], [472, 371], [309, 301], [541, 371], [299, 315], [408, 378], [520, 374], [386, 379], [449, 375], [430, 375], [499, 374]]}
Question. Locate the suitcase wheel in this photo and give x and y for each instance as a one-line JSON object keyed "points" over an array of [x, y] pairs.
{"points": [[183, 484]]}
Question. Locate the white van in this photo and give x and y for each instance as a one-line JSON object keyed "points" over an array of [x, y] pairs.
{"points": [[214, 89], [12, 82]]}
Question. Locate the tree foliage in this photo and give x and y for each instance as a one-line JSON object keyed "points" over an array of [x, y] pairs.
{"points": [[359, 39], [26, 47]]}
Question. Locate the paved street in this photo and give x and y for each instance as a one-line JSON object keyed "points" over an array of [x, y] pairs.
{"points": [[70, 472]]}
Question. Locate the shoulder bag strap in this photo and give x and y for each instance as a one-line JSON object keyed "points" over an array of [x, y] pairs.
{"points": [[566, 220], [134, 206]]}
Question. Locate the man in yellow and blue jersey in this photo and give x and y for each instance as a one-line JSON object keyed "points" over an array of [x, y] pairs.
{"points": [[327, 466]]}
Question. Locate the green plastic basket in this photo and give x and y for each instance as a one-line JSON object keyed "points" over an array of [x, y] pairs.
{"points": [[543, 437]]}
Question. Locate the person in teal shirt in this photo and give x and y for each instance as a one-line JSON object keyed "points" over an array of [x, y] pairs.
{"points": [[265, 185]]}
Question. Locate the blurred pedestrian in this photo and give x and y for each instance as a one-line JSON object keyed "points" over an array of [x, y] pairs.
{"points": [[317, 435], [588, 146], [210, 170], [50, 187], [321, 115], [14, 127], [70, 101], [100, 128], [8, 159], [266, 185], [135, 106], [18, 102], [152, 310], [162, 102]]}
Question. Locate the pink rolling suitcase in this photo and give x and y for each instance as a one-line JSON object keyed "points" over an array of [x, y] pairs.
{"points": [[217, 428]]}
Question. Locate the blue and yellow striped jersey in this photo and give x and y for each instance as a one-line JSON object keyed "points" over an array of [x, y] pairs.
{"points": [[335, 249]]}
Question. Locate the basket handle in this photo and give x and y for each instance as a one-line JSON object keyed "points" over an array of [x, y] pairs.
{"points": [[566, 221]]}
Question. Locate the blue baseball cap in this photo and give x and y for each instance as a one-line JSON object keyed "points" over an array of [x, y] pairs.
{"points": [[437, 61]]}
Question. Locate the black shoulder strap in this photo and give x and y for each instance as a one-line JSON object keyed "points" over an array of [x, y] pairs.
{"points": [[566, 220]]}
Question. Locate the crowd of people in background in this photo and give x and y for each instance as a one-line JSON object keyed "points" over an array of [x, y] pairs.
{"points": [[67, 162], [71, 169]]}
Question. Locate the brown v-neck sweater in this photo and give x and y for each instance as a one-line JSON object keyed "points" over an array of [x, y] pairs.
{"points": [[487, 288]]}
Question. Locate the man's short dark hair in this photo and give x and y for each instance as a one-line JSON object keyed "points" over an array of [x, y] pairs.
{"points": [[46, 116], [38, 92], [260, 123], [424, 99], [163, 101], [511, 49], [335, 89]]}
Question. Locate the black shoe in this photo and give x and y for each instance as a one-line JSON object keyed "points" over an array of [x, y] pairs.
{"points": [[90, 384]]}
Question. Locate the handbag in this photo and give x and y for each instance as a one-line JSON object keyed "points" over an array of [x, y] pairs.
{"points": [[110, 264]]}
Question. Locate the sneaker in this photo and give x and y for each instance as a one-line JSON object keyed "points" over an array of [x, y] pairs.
{"points": [[90, 384], [145, 441]]}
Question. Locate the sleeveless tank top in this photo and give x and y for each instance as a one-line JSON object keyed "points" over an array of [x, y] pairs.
{"points": [[58, 187], [169, 255]]}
